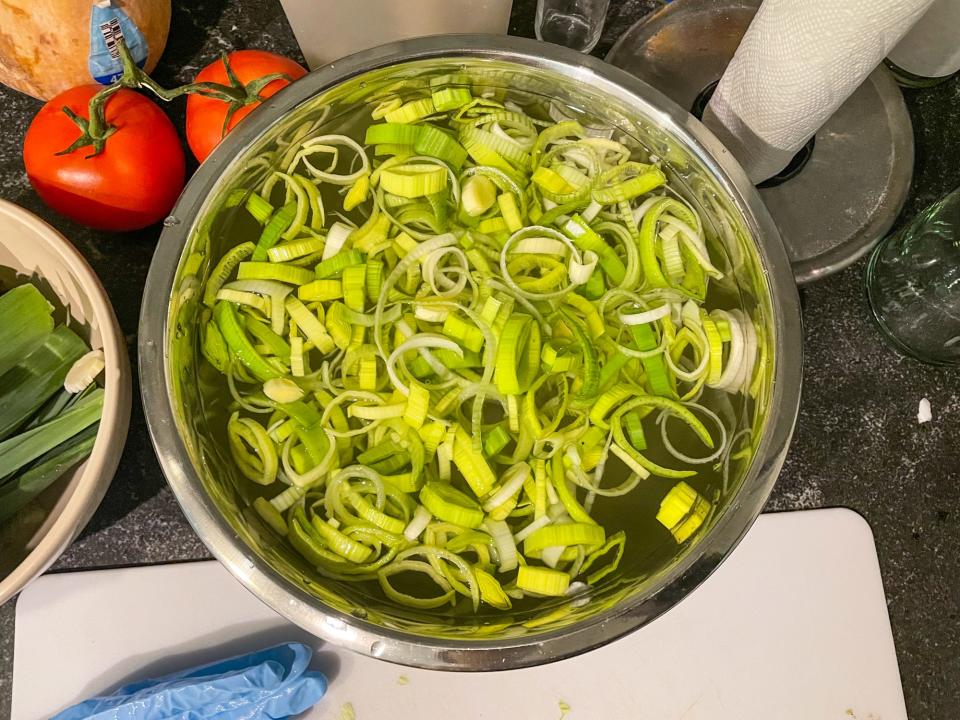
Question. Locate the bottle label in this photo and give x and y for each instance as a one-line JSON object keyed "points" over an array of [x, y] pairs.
{"points": [[108, 25]]}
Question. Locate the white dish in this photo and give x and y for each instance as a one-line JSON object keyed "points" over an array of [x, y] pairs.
{"points": [[32, 250], [793, 626]]}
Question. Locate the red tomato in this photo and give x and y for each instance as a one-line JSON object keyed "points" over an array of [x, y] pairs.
{"points": [[205, 115], [133, 183]]}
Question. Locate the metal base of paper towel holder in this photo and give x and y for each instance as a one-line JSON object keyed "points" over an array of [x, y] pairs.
{"points": [[855, 183]]}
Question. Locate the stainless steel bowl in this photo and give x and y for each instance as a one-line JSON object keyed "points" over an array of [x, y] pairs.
{"points": [[205, 484]]}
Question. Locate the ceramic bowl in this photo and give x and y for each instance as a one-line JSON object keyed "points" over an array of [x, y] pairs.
{"points": [[32, 251]]}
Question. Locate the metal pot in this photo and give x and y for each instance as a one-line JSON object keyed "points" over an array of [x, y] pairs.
{"points": [[189, 451]]}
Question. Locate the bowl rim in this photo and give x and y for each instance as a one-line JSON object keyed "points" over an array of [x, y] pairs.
{"points": [[100, 466], [448, 654]]}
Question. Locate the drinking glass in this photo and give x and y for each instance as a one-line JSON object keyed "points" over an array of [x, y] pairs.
{"points": [[574, 23], [913, 284]]}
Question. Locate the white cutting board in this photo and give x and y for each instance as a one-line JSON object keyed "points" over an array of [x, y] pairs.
{"points": [[793, 626]]}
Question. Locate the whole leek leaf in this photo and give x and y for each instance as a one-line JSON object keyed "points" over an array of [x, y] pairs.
{"points": [[25, 321], [45, 471], [36, 378], [19, 450]]}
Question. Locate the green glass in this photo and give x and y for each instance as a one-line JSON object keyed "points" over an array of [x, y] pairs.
{"points": [[913, 284]]}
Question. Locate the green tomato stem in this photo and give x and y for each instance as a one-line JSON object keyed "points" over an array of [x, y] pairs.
{"points": [[94, 129]]}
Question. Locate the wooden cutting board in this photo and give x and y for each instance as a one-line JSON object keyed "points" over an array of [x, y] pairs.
{"points": [[793, 626]]}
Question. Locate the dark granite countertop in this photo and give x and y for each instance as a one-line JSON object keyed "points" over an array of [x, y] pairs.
{"points": [[857, 442]]}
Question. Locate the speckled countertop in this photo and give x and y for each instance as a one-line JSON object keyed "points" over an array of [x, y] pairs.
{"points": [[857, 442]]}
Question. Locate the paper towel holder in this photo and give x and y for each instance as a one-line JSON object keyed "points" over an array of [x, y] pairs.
{"points": [[848, 193], [793, 168]]}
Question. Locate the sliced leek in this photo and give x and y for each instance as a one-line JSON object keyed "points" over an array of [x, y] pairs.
{"points": [[498, 329]]}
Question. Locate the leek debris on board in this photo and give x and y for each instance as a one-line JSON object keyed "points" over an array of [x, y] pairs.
{"points": [[27, 320]]}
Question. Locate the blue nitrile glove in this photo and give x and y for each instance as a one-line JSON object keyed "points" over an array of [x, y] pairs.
{"points": [[271, 684]]}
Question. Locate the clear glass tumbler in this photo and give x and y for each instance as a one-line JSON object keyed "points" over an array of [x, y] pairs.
{"points": [[574, 23], [913, 284]]}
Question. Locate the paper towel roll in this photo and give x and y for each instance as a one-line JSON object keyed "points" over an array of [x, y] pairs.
{"points": [[797, 63]]}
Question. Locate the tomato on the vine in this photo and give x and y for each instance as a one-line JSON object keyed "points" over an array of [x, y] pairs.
{"points": [[131, 184], [209, 119]]}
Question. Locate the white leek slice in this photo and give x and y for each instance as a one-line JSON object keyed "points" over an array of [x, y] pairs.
{"points": [[416, 526], [84, 371], [540, 246], [514, 479], [503, 541], [282, 390], [336, 238], [532, 528], [645, 316], [580, 272]]}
